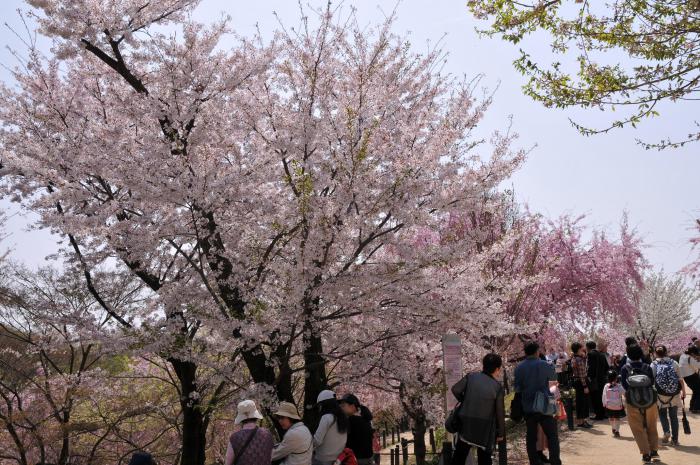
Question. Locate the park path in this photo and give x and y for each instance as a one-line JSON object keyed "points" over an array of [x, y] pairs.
{"points": [[598, 447]]}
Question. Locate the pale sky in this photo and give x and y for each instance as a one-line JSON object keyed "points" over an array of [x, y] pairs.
{"points": [[600, 176]]}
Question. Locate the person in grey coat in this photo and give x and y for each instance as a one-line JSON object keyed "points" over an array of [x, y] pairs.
{"points": [[482, 413]]}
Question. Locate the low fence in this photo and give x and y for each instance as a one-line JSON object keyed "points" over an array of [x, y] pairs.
{"points": [[399, 454]]}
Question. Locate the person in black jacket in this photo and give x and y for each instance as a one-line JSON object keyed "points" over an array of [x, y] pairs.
{"points": [[482, 414], [360, 431], [597, 377]]}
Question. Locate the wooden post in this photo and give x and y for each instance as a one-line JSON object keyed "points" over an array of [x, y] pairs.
{"points": [[446, 453], [391, 454], [569, 408], [398, 454], [431, 436], [502, 453]]}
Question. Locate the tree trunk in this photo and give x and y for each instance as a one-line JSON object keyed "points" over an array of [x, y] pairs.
{"points": [[194, 439], [413, 407], [65, 444], [315, 377], [420, 429]]}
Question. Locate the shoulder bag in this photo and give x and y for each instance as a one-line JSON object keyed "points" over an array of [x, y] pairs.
{"points": [[245, 446], [453, 423]]}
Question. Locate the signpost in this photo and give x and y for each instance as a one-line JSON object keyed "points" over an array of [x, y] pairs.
{"points": [[452, 366]]}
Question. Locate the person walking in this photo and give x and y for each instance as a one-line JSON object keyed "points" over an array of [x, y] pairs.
{"points": [[597, 371], [532, 377], [579, 367], [689, 365], [251, 445], [642, 413], [613, 401], [360, 431], [671, 393], [297, 446], [332, 432], [482, 411]]}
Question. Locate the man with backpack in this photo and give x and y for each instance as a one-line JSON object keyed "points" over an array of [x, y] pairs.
{"points": [[671, 392], [642, 414]]}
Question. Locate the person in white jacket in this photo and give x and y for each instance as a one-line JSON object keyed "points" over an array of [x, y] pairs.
{"points": [[689, 364], [297, 446], [332, 432]]}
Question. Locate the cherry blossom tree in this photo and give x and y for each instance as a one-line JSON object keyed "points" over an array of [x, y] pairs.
{"points": [[664, 310], [574, 282], [271, 179], [52, 352], [289, 208], [150, 100]]}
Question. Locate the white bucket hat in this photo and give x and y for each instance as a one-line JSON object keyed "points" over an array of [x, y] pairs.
{"points": [[325, 395], [247, 411]]}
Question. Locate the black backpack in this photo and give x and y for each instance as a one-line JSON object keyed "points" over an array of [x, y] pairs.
{"points": [[640, 393]]}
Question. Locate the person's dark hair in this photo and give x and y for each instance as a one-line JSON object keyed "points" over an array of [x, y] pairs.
{"points": [[332, 406], [630, 341], [366, 413], [693, 350], [491, 363], [612, 376], [575, 347], [141, 458], [661, 351], [352, 399], [590, 345], [531, 348], [635, 352]]}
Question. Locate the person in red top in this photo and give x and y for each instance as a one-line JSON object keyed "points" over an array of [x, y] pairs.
{"points": [[376, 448]]}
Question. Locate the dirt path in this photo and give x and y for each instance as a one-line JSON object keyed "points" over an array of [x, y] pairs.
{"points": [[598, 447]]}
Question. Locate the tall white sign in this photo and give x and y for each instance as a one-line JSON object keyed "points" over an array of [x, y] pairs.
{"points": [[452, 365]]}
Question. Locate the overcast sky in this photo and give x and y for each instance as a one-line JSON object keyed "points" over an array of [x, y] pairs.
{"points": [[600, 176]]}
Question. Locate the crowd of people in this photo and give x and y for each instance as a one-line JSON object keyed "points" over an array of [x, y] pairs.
{"points": [[344, 435], [644, 386]]}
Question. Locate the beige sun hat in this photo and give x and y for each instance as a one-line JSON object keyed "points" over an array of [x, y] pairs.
{"points": [[287, 409], [247, 411]]}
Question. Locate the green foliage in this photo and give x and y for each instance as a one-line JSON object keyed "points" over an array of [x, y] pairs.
{"points": [[661, 38]]}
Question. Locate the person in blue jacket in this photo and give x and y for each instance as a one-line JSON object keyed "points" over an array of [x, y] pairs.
{"points": [[533, 375]]}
